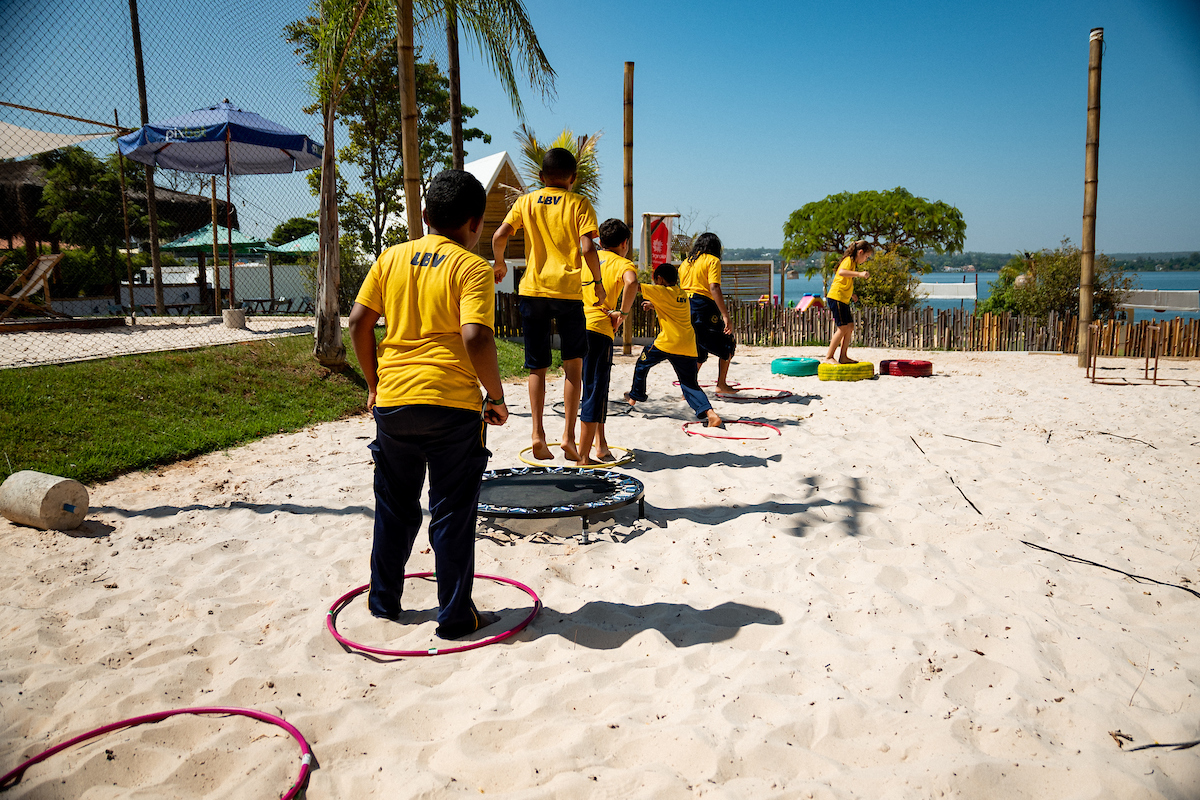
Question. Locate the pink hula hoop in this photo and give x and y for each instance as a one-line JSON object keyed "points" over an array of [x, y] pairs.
{"points": [[733, 422], [342, 601], [13, 777]]}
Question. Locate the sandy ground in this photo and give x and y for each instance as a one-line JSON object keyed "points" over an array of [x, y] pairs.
{"points": [[846, 610], [149, 335]]}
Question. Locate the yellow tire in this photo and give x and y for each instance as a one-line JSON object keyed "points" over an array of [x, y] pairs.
{"points": [[858, 371]]}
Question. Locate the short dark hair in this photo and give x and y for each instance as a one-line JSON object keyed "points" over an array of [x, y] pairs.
{"points": [[454, 197], [613, 232], [668, 272], [706, 243], [558, 163]]}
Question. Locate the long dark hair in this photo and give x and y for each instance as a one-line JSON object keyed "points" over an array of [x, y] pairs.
{"points": [[706, 244], [856, 247]]}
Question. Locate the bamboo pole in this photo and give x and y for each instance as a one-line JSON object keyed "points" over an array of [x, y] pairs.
{"points": [[128, 242], [1090, 180], [229, 220], [454, 70], [627, 333], [151, 202], [216, 251]]}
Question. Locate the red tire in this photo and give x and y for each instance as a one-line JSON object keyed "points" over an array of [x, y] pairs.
{"points": [[910, 369]]}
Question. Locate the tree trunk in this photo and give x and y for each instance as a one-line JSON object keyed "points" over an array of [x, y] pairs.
{"points": [[408, 118], [455, 76], [328, 348]]}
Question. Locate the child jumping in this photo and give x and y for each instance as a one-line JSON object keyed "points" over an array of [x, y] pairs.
{"points": [[841, 291], [620, 286], [559, 227], [701, 279], [676, 343], [423, 390]]}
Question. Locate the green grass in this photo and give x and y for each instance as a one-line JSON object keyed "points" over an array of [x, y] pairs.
{"points": [[94, 420]]}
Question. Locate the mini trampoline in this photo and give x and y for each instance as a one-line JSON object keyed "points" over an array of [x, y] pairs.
{"points": [[549, 492]]}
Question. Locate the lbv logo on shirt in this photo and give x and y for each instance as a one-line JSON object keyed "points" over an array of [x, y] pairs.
{"points": [[548, 201], [428, 259]]}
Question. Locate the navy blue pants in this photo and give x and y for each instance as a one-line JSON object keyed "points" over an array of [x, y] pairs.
{"points": [[451, 444], [597, 370], [685, 370], [710, 330]]}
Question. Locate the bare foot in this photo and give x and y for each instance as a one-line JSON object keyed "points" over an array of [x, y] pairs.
{"points": [[540, 451], [725, 388], [630, 400], [828, 360], [847, 360], [586, 462], [714, 421], [605, 456], [570, 451]]}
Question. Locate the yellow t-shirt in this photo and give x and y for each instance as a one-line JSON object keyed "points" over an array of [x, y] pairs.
{"points": [[553, 219], [427, 290], [676, 336], [697, 274], [842, 288], [612, 269]]}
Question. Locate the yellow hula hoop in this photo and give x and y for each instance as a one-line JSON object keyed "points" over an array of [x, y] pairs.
{"points": [[625, 459]]}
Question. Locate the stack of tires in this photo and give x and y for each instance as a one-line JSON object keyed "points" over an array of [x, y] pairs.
{"points": [[858, 371], [906, 368]]}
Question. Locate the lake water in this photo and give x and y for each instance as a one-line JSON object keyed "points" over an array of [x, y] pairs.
{"points": [[1165, 281]]}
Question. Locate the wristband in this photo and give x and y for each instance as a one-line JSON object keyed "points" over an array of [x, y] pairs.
{"points": [[499, 402]]}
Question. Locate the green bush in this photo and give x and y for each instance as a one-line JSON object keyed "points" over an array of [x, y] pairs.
{"points": [[893, 281], [1048, 281]]}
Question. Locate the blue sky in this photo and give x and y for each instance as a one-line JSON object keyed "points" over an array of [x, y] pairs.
{"points": [[743, 113]]}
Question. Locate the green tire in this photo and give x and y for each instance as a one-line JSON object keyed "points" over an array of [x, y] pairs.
{"points": [[798, 367]]}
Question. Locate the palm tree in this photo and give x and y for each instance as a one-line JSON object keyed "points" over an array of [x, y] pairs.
{"points": [[501, 30], [587, 175]]}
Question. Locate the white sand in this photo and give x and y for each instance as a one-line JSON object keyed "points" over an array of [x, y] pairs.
{"points": [[821, 614]]}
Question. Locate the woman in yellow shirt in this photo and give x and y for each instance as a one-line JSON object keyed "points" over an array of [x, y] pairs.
{"points": [[839, 296]]}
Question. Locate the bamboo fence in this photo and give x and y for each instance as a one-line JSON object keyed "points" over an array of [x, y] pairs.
{"points": [[763, 324]]}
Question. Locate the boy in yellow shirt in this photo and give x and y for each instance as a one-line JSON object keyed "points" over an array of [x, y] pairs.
{"points": [[676, 343], [559, 228], [620, 286], [423, 390]]}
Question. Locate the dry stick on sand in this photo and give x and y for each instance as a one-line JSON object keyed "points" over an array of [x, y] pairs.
{"points": [[1126, 438], [1138, 578], [976, 441], [951, 477], [1143, 680], [1175, 746]]}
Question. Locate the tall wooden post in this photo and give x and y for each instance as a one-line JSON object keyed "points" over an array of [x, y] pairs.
{"points": [[627, 330], [410, 144], [1087, 262], [151, 203], [216, 253], [328, 348], [454, 71]]}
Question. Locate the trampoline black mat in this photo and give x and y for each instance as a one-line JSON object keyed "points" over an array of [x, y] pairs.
{"points": [[544, 492]]}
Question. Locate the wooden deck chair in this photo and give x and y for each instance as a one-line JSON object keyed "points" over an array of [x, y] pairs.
{"points": [[36, 276]]}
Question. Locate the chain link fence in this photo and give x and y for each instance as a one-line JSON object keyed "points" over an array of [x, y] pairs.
{"points": [[71, 81]]}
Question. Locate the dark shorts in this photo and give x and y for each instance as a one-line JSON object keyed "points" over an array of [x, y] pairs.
{"points": [[597, 372], [841, 312], [710, 330], [536, 315]]}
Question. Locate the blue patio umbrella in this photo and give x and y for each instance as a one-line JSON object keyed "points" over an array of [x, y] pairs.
{"points": [[219, 140]]}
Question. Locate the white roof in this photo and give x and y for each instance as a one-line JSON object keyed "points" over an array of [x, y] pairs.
{"points": [[488, 168]]}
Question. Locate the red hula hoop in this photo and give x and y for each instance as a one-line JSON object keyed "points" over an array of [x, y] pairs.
{"points": [[13, 777], [733, 422], [707, 384], [342, 601], [780, 394]]}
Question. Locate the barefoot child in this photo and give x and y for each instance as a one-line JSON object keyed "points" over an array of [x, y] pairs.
{"points": [[620, 286], [700, 276], [675, 343], [559, 227], [423, 389], [840, 294]]}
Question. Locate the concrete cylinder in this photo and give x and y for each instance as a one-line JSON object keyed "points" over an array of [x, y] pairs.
{"points": [[234, 317], [43, 501]]}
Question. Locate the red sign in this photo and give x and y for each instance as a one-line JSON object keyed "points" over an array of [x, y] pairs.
{"points": [[660, 241]]}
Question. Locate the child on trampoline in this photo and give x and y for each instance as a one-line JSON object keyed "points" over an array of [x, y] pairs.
{"points": [[559, 228], [700, 276], [676, 343], [620, 286], [423, 390], [841, 291]]}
